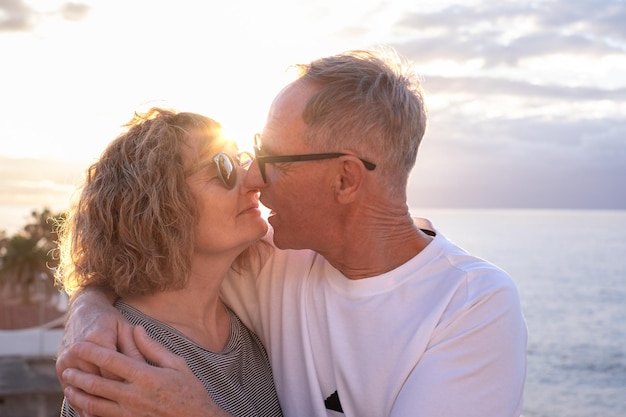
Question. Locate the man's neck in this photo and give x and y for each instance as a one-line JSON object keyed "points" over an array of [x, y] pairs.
{"points": [[371, 246]]}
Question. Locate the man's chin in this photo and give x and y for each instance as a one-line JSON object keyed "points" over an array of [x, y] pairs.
{"points": [[273, 219]]}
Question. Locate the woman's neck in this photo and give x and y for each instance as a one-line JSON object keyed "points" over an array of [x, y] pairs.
{"points": [[196, 311]]}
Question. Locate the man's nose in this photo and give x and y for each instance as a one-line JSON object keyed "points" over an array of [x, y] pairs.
{"points": [[253, 177]]}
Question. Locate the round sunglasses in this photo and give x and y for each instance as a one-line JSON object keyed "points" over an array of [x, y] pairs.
{"points": [[227, 167]]}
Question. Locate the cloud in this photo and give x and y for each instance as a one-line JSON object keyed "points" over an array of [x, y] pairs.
{"points": [[38, 182], [601, 17], [527, 162], [74, 11], [482, 85], [18, 16], [15, 15], [504, 33]]}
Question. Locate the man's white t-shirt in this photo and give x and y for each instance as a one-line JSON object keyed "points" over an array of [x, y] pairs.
{"points": [[441, 335]]}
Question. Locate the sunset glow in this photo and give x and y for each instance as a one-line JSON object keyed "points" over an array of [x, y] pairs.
{"points": [[497, 76]]}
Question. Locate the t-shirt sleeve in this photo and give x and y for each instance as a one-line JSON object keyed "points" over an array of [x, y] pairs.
{"points": [[475, 364]]}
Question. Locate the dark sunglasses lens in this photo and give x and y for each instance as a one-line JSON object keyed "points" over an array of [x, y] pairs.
{"points": [[227, 170]]}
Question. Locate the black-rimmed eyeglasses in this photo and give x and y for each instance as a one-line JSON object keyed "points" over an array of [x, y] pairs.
{"points": [[269, 159]]}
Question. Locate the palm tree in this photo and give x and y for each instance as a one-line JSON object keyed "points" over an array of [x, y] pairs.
{"points": [[27, 256]]}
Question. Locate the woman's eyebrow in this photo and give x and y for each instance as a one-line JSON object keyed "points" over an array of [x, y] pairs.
{"points": [[200, 167]]}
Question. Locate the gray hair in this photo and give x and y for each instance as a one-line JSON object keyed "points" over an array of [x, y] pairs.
{"points": [[368, 102]]}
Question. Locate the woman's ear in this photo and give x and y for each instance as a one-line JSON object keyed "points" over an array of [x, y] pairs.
{"points": [[349, 179]]}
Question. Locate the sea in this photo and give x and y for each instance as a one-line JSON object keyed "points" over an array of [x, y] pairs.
{"points": [[570, 269]]}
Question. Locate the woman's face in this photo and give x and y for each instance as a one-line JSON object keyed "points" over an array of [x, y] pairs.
{"points": [[229, 220]]}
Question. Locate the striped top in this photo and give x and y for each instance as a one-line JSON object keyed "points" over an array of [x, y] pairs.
{"points": [[238, 379]]}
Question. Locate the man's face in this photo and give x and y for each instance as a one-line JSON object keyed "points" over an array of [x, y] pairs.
{"points": [[296, 192]]}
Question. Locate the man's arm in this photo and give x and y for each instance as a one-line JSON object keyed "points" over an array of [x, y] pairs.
{"points": [[93, 318], [168, 389]]}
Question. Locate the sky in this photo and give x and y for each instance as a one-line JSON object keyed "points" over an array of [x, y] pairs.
{"points": [[526, 99]]}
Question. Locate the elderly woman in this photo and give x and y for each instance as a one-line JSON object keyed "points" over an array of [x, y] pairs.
{"points": [[162, 217]]}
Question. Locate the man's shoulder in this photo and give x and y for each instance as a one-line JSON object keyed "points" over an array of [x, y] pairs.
{"points": [[472, 269]]}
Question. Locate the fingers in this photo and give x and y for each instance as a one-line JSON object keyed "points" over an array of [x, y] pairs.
{"points": [[155, 352], [167, 390], [94, 384], [126, 341], [94, 395], [110, 362], [88, 405], [125, 344], [68, 360]]}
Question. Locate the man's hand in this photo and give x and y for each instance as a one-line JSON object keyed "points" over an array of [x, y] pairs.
{"points": [[169, 390], [93, 318]]}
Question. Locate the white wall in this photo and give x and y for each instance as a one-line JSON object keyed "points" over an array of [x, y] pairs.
{"points": [[30, 342]]}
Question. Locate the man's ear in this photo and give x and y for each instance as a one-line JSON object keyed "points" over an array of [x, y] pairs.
{"points": [[349, 180]]}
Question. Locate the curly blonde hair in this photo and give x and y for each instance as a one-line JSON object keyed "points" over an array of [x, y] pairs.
{"points": [[132, 228]]}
